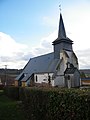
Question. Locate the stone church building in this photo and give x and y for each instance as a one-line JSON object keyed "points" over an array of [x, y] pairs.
{"points": [[59, 68]]}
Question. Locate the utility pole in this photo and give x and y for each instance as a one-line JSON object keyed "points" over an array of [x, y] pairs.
{"points": [[5, 75]]}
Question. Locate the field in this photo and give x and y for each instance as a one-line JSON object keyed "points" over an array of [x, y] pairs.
{"points": [[9, 109]]}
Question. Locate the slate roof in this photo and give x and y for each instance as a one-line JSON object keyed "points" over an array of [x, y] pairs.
{"points": [[62, 33], [70, 70], [44, 63]]}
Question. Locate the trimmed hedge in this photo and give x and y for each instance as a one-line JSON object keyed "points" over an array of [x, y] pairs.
{"points": [[1, 87], [12, 92], [53, 103], [56, 104], [35, 102]]}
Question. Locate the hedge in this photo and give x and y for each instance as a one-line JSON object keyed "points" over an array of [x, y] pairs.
{"points": [[1, 87], [55, 103], [12, 92]]}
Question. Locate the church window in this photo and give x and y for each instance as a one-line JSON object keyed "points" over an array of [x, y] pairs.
{"points": [[36, 78], [44, 79], [49, 79], [68, 77]]}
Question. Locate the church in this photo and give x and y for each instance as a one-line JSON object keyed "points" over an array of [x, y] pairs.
{"points": [[58, 68]]}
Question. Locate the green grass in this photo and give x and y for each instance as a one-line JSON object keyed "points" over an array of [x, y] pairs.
{"points": [[9, 109]]}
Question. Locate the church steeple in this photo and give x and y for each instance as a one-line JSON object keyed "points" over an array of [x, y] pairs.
{"points": [[61, 31], [62, 42]]}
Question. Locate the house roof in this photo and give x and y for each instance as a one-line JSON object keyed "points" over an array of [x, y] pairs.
{"points": [[86, 71], [44, 63], [88, 78]]}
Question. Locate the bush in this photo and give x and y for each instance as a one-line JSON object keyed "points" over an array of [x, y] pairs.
{"points": [[35, 103], [53, 103], [12, 92], [1, 87], [56, 104]]}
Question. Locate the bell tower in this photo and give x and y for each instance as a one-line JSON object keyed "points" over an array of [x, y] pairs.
{"points": [[62, 42]]}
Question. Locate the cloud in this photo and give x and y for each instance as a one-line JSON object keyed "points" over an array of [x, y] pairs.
{"points": [[9, 46], [16, 55], [82, 51], [84, 58], [77, 25], [45, 46], [11, 52]]}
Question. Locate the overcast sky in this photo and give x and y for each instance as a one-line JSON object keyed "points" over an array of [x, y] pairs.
{"points": [[28, 27]]}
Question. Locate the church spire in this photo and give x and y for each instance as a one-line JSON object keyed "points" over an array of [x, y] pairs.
{"points": [[62, 42], [61, 31]]}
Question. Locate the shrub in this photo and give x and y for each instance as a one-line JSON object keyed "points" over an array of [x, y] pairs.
{"points": [[56, 104], [12, 92], [35, 103], [53, 103], [1, 87]]}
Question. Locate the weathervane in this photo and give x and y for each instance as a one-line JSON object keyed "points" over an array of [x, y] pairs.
{"points": [[60, 7]]}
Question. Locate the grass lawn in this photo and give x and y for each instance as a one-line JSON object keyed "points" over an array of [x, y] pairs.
{"points": [[9, 109]]}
